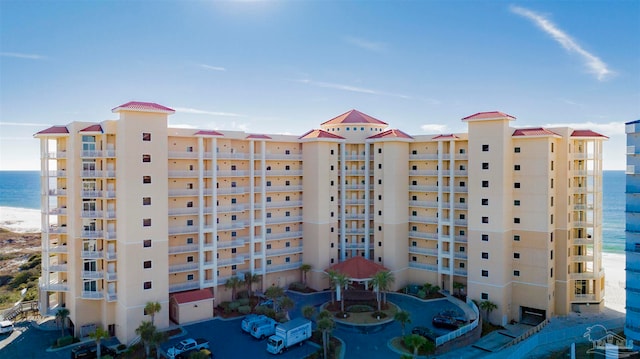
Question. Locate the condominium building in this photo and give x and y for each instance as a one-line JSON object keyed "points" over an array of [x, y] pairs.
{"points": [[632, 248], [135, 211]]}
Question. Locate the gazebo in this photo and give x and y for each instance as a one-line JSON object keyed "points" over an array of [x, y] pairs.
{"points": [[358, 269]]}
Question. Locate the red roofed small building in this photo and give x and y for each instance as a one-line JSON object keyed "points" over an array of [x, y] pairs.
{"points": [[358, 268], [190, 306]]}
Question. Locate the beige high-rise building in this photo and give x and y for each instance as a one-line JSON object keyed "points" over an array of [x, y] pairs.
{"points": [[134, 211]]}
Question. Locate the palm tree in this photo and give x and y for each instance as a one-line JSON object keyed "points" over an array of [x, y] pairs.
{"points": [[325, 325], [402, 317], [156, 339], [249, 279], [304, 269], [233, 283], [61, 316], [415, 341], [285, 304], [308, 311], [146, 331], [427, 288], [341, 281], [332, 280], [381, 282], [458, 286], [98, 335], [151, 309], [274, 293], [488, 307]]}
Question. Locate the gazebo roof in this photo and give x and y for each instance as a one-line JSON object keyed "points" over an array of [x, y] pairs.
{"points": [[358, 268]]}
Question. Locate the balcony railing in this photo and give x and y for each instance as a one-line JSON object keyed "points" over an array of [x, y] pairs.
{"points": [[58, 192], [422, 250], [183, 229], [92, 274], [58, 268], [182, 154], [183, 249], [231, 208], [285, 173], [58, 211], [279, 220], [282, 251], [92, 295], [183, 192], [460, 272], [420, 219], [461, 239], [182, 211], [232, 190], [91, 194], [416, 188], [424, 204], [424, 156], [584, 297], [460, 255], [112, 297], [91, 254], [283, 267], [190, 174], [92, 234], [423, 173], [291, 188], [111, 276], [58, 173], [232, 156], [183, 267], [183, 286], [55, 286], [91, 214], [54, 155], [57, 230], [234, 243], [284, 204], [424, 235], [236, 173], [424, 266], [231, 261], [282, 156], [58, 249], [283, 235], [232, 225]]}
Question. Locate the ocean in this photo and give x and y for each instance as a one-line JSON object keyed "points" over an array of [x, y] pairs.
{"points": [[20, 204]]}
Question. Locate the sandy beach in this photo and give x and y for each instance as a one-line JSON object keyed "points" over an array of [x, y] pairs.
{"points": [[615, 276]]}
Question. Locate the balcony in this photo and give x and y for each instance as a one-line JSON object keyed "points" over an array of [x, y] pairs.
{"points": [[354, 201], [461, 173], [423, 235], [92, 274], [583, 297], [58, 211], [280, 220], [354, 246], [91, 194], [183, 192], [56, 286], [183, 249], [91, 154], [186, 267], [233, 156], [283, 235], [237, 173], [283, 251], [460, 255], [112, 297], [183, 174], [183, 211], [422, 250], [285, 173], [183, 230], [420, 219], [579, 258], [58, 173], [231, 261], [92, 295], [58, 268], [230, 208], [58, 192], [282, 156], [284, 204], [92, 234], [232, 225], [424, 266], [459, 189], [460, 222], [182, 154], [586, 275], [56, 155], [424, 156], [460, 272], [283, 267], [232, 190], [91, 254], [183, 286], [111, 276], [462, 239], [91, 214], [291, 188], [234, 243], [423, 204], [58, 249], [353, 216], [415, 188], [423, 172], [57, 230]]}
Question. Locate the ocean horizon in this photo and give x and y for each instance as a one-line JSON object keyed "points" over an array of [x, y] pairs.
{"points": [[20, 205]]}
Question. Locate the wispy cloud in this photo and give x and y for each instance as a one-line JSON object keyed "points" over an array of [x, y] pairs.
{"points": [[593, 63], [434, 128], [183, 125], [350, 88], [196, 111], [212, 68], [607, 129], [366, 44], [22, 56], [29, 124], [570, 102]]}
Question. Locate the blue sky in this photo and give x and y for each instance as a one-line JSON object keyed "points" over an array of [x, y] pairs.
{"points": [[287, 66]]}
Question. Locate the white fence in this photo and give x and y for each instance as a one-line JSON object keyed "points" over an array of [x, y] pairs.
{"points": [[463, 330]]}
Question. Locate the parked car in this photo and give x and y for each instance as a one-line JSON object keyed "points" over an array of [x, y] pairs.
{"points": [[187, 345], [441, 321], [424, 332], [6, 326], [90, 351]]}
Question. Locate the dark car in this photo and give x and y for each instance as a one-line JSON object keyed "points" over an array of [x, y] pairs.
{"points": [[90, 351], [441, 321], [425, 332]]}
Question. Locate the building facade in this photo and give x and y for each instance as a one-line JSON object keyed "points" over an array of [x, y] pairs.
{"points": [[632, 248], [135, 211]]}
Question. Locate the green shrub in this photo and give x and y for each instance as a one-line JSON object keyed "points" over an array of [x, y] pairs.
{"points": [[242, 294], [234, 305], [106, 357], [244, 309], [261, 309], [422, 294], [226, 307], [243, 301], [64, 341], [359, 308], [297, 286]]}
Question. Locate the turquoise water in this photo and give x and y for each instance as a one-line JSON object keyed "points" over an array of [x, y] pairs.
{"points": [[21, 189]]}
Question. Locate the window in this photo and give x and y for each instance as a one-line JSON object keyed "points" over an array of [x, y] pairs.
{"points": [[516, 150], [234, 217], [551, 273], [146, 136], [485, 219], [516, 202], [463, 200], [234, 267], [189, 222], [484, 296], [485, 255], [234, 233], [331, 151], [189, 276], [552, 183], [516, 167], [287, 152], [189, 148], [268, 262], [268, 231], [146, 243], [287, 259], [379, 181], [414, 168], [516, 220], [146, 285], [516, 237], [287, 183], [146, 264], [190, 204], [287, 214], [146, 222], [331, 244], [268, 214], [552, 165], [462, 216], [268, 183], [552, 147], [516, 255], [146, 201], [516, 185], [461, 265], [332, 183], [551, 255], [189, 259], [146, 179], [551, 201], [146, 158], [485, 273], [551, 219], [414, 152], [287, 244], [461, 249], [485, 148], [485, 237], [485, 201], [485, 184], [331, 214], [233, 250], [268, 246], [379, 213], [379, 150], [485, 165], [190, 240], [379, 165], [516, 273], [331, 167], [379, 197]]}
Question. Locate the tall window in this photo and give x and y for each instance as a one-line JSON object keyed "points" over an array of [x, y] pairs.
{"points": [[146, 136]]}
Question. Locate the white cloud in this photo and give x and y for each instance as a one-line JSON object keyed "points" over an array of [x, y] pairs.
{"points": [[593, 63], [213, 68], [366, 44], [28, 124], [350, 88], [22, 56], [607, 129], [196, 111], [434, 128], [183, 125]]}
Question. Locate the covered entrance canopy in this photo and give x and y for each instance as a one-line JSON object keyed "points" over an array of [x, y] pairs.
{"points": [[358, 269]]}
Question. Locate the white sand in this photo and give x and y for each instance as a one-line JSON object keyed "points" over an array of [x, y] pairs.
{"points": [[20, 220], [615, 276]]}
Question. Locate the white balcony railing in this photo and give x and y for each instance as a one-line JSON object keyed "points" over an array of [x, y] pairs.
{"points": [[424, 235], [92, 274], [92, 295], [183, 249], [422, 250], [183, 267], [91, 254], [424, 266], [183, 286]]}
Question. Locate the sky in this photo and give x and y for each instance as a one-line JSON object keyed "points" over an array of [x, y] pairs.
{"points": [[287, 66]]}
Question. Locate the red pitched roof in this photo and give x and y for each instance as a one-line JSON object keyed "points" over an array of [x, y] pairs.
{"points": [[193, 296], [358, 268], [353, 116], [586, 133], [320, 134], [92, 128], [391, 134], [55, 130], [259, 137], [536, 131], [208, 133], [487, 116], [442, 137], [143, 107]]}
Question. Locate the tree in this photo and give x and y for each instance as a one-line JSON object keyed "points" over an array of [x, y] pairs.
{"points": [[458, 286], [98, 335], [200, 354], [274, 293], [341, 281], [286, 303], [308, 311], [146, 331], [249, 279], [381, 282], [156, 339], [151, 309], [488, 307], [233, 283], [402, 317], [325, 325], [61, 316], [331, 274], [304, 269], [415, 341]]}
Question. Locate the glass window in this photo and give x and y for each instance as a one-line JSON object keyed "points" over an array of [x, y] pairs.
{"points": [[147, 264], [146, 136], [147, 285], [146, 243]]}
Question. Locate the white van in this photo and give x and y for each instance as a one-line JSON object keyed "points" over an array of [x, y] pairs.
{"points": [[6, 326]]}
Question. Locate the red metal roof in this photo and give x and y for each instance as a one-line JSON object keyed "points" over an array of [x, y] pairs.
{"points": [[320, 134], [143, 107], [92, 128], [488, 115], [441, 137], [259, 137], [208, 133], [536, 131], [193, 296], [391, 134], [586, 133], [353, 116], [54, 130], [358, 268]]}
